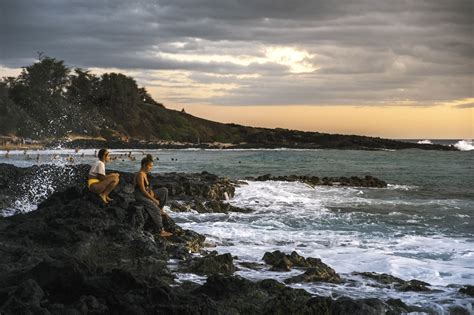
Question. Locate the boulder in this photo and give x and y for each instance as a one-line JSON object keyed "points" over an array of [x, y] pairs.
{"points": [[467, 289], [211, 264], [399, 284]]}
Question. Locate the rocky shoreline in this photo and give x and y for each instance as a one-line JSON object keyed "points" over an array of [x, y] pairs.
{"points": [[345, 143], [74, 255]]}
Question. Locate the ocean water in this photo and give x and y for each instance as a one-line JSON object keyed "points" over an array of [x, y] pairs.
{"points": [[420, 227]]}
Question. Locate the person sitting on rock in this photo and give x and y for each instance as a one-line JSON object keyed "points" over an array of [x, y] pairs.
{"points": [[154, 201], [98, 181]]}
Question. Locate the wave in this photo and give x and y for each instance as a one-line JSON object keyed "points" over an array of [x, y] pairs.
{"points": [[401, 187], [425, 142], [464, 145]]}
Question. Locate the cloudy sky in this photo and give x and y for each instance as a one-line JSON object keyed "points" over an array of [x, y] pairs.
{"points": [[398, 68]]}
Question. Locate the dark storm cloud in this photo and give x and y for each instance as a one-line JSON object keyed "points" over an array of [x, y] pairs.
{"points": [[365, 52]]}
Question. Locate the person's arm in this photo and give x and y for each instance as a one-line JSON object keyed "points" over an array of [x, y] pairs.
{"points": [[141, 186]]}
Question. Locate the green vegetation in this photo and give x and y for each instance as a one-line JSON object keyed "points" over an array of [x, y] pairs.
{"points": [[49, 100]]}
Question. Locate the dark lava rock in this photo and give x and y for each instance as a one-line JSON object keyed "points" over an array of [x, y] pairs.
{"points": [[458, 310], [316, 269], [467, 289], [322, 273], [75, 255], [367, 181], [211, 264], [236, 295], [251, 265], [400, 284], [189, 189], [202, 206]]}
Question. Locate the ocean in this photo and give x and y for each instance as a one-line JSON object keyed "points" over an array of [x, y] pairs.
{"points": [[420, 227]]}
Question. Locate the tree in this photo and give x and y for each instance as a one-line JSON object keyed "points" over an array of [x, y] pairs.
{"points": [[40, 91], [146, 97], [83, 88], [118, 92]]}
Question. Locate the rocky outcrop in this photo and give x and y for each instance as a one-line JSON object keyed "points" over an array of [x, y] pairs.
{"points": [[322, 273], [203, 192], [367, 181], [202, 206], [75, 255], [210, 264], [316, 269], [399, 284], [236, 295], [467, 289]]}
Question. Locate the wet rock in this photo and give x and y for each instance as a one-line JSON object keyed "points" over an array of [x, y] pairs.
{"points": [[75, 255], [236, 295], [347, 305], [367, 181], [211, 264], [177, 206], [399, 284], [187, 188], [467, 289], [252, 265], [283, 262], [25, 299], [316, 269], [413, 285], [89, 304], [322, 273], [458, 310]]}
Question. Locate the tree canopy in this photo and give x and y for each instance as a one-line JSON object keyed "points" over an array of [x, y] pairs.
{"points": [[50, 100]]}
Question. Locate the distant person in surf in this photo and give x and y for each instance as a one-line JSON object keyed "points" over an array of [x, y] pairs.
{"points": [[98, 181], [154, 201]]}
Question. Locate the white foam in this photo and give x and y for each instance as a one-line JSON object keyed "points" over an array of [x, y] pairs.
{"points": [[292, 216], [38, 187], [464, 145], [401, 187], [425, 142]]}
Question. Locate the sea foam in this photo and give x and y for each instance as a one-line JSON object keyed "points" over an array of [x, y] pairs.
{"points": [[464, 145], [425, 142]]}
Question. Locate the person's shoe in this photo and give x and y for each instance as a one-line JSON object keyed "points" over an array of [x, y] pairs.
{"points": [[164, 233]]}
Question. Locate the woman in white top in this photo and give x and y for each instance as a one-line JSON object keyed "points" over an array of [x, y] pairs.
{"points": [[98, 181]]}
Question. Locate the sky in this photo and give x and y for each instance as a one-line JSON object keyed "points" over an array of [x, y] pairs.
{"points": [[397, 69]]}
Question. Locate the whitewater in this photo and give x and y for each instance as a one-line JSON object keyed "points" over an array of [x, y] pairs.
{"points": [[420, 227]]}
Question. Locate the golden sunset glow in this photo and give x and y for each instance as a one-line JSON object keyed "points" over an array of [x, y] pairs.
{"points": [[438, 122]]}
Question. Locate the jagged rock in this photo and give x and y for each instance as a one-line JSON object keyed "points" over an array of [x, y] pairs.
{"points": [[400, 284], [25, 299], [317, 270], [183, 187], [367, 181], [211, 264], [323, 273], [252, 265], [345, 305], [458, 310], [75, 255], [467, 289]]}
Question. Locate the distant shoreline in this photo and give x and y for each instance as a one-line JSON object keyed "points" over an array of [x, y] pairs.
{"points": [[94, 144]]}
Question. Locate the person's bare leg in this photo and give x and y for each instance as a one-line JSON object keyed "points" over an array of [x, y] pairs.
{"points": [[111, 187], [101, 187]]}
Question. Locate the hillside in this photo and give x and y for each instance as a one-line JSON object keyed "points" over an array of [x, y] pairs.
{"points": [[50, 101]]}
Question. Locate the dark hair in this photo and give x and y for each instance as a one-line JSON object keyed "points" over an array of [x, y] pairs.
{"points": [[101, 153], [147, 159]]}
